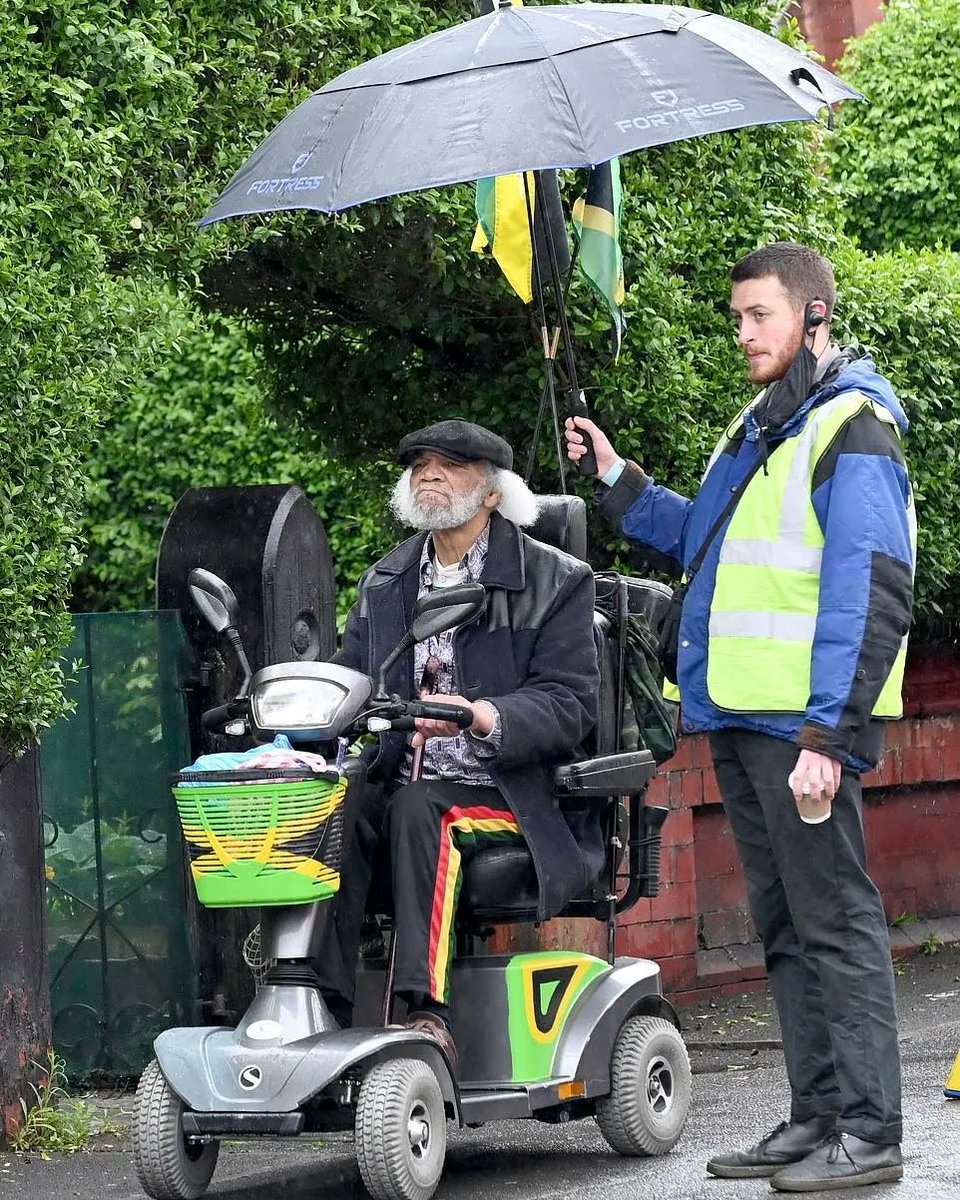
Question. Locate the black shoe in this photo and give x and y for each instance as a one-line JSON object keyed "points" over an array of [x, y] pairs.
{"points": [[435, 1027], [842, 1161], [788, 1143]]}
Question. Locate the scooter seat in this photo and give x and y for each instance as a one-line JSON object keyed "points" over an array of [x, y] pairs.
{"points": [[499, 886]]}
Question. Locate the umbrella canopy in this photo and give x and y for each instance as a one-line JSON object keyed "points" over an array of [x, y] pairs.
{"points": [[522, 89]]}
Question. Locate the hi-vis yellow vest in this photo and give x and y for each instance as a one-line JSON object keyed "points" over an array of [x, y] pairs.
{"points": [[765, 602]]}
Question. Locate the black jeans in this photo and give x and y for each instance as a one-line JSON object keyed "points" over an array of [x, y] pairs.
{"points": [[824, 934], [430, 828]]}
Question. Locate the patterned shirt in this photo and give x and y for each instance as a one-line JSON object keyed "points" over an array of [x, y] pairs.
{"points": [[455, 758]]}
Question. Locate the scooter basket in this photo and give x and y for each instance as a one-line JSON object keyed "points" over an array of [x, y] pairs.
{"points": [[262, 837]]}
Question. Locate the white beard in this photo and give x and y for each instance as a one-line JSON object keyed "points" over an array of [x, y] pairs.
{"points": [[425, 515]]}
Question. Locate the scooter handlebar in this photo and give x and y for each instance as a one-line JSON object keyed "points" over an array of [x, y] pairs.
{"points": [[216, 718], [416, 710]]}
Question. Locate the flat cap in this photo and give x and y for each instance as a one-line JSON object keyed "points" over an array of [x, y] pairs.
{"points": [[461, 440]]}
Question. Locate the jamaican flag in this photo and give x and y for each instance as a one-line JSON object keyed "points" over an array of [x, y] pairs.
{"points": [[596, 219], [503, 221], [503, 224]]}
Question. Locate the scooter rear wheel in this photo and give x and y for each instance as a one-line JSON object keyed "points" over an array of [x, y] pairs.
{"points": [[169, 1166], [650, 1089], [401, 1131]]}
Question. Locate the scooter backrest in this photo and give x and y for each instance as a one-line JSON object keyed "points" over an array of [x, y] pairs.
{"points": [[562, 522]]}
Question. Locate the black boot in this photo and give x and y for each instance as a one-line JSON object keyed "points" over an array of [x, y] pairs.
{"points": [[788, 1143]]}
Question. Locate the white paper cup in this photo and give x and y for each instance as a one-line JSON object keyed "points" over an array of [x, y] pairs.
{"points": [[810, 811]]}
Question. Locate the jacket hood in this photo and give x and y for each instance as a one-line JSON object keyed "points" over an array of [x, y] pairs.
{"points": [[855, 372]]}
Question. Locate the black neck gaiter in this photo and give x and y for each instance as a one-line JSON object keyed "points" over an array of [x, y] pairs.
{"points": [[783, 397]]}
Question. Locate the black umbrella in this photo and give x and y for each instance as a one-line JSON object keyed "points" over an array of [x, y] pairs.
{"points": [[526, 89]]}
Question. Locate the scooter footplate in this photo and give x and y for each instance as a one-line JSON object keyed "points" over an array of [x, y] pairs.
{"points": [[238, 1124]]}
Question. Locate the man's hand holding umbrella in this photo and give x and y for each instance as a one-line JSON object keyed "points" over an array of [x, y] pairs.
{"points": [[607, 457]]}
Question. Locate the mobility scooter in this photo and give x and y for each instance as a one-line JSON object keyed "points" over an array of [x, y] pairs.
{"points": [[550, 1035]]}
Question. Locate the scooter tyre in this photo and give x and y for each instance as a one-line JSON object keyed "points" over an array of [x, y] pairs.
{"points": [[168, 1167], [650, 1089], [401, 1131]]}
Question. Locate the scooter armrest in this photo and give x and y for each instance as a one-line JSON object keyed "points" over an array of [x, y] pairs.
{"points": [[612, 775]]}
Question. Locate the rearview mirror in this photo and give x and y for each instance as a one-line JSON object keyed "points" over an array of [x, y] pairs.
{"points": [[434, 613], [214, 598], [438, 611]]}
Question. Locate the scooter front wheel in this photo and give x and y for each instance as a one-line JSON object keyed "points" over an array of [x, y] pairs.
{"points": [[401, 1131], [650, 1088], [169, 1166]]}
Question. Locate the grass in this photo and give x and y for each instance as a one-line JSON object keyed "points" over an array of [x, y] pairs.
{"points": [[55, 1121], [931, 944]]}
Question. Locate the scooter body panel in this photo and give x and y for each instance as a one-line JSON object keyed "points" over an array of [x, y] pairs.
{"points": [[215, 1070], [585, 1045], [526, 1020], [524, 1024]]}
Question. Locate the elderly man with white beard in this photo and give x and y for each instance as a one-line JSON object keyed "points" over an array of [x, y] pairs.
{"points": [[527, 667]]}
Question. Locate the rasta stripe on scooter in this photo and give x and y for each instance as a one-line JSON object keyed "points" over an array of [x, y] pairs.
{"points": [[541, 990], [457, 826]]}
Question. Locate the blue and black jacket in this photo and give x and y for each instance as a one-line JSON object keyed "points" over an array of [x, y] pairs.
{"points": [[861, 493]]}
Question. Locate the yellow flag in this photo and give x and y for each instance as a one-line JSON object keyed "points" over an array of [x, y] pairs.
{"points": [[503, 222], [504, 225]]}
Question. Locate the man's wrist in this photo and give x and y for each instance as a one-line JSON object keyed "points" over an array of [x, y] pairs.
{"points": [[613, 472], [484, 719]]}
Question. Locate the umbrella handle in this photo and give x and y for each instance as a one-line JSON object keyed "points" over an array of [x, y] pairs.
{"points": [[588, 461]]}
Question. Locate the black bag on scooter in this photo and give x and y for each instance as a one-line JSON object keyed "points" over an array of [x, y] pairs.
{"points": [[668, 634], [647, 720]]}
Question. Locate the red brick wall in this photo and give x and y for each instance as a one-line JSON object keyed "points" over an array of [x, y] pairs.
{"points": [[698, 927], [827, 24]]}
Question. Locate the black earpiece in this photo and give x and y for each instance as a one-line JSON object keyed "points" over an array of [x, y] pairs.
{"points": [[812, 318]]}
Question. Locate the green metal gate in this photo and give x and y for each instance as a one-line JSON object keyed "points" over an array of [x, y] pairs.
{"points": [[120, 963]]}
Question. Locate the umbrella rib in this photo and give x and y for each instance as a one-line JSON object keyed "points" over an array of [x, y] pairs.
{"points": [[361, 129], [573, 113]]}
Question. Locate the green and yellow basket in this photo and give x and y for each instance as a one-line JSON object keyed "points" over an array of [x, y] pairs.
{"points": [[262, 837]]}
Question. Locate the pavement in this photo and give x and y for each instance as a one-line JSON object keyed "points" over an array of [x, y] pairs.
{"points": [[739, 1090]]}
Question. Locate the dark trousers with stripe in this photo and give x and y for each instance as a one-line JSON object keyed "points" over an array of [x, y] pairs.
{"points": [[430, 829], [824, 934]]}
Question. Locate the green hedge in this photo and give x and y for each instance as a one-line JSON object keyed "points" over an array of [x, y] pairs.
{"points": [[207, 402], [198, 420], [118, 122], [895, 160], [73, 331], [367, 324], [905, 308]]}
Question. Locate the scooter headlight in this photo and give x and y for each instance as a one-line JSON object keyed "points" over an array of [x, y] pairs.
{"points": [[297, 704], [307, 701]]}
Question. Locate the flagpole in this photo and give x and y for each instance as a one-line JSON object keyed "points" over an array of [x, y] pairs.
{"points": [[534, 445], [541, 409], [578, 407], [548, 360]]}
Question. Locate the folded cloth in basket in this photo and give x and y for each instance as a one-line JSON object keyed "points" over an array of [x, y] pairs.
{"points": [[276, 755]]}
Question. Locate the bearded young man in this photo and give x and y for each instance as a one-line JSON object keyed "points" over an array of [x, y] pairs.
{"points": [[527, 667], [790, 655]]}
